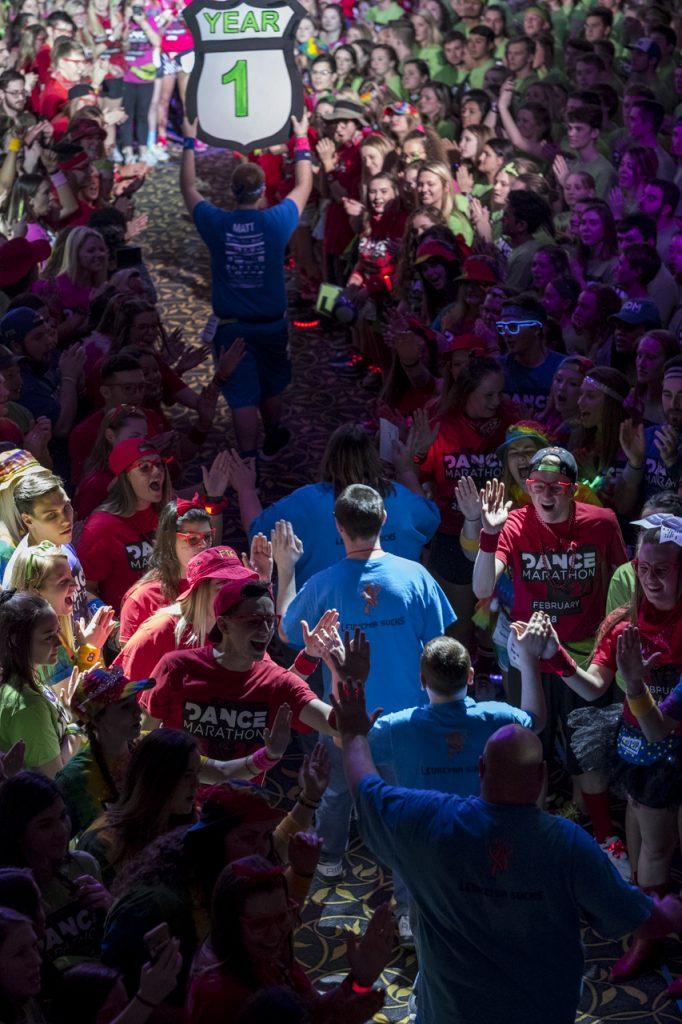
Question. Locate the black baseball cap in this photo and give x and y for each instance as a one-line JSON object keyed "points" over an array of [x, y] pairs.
{"points": [[554, 460]]}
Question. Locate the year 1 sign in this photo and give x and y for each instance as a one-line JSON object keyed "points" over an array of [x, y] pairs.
{"points": [[244, 86]]}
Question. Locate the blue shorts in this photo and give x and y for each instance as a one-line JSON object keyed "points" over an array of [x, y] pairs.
{"points": [[265, 370]]}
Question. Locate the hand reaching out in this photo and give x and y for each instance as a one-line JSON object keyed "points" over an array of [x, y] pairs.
{"points": [[632, 442], [230, 359], [468, 498], [667, 443], [350, 709], [355, 662], [99, 629], [421, 434], [242, 472], [632, 665], [321, 640], [260, 557], [217, 476], [494, 509], [277, 739], [286, 547], [313, 776]]}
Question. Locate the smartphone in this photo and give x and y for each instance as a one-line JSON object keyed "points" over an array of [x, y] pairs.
{"points": [[128, 256], [156, 939]]}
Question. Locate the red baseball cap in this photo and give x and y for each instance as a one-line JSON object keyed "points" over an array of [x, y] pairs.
{"points": [[126, 453], [230, 593], [220, 563], [462, 343], [476, 269], [18, 257]]}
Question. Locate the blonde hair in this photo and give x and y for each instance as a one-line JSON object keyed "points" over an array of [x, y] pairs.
{"points": [[31, 569], [442, 171], [433, 36], [196, 614], [77, 238], [9, 514]]}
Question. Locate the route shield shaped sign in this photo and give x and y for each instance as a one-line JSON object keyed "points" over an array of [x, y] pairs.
{"points": [[244, 86]]}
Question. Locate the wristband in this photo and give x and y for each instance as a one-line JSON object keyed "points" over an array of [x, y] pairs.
{"points": [[360, 989], [58, 179], [262, 760], [304, 664], [188, 143], [14, 145], [487, 542], [469, 543], [145, 1002], [560, 664], [642, 704], [302, 142], [302, 154], [308, 803], [637, 469]]}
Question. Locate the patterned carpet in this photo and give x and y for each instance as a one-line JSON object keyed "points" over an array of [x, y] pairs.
{"points": [[316, 404]]}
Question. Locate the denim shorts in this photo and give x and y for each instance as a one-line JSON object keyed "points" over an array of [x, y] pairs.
{"points": [[265, 370]]}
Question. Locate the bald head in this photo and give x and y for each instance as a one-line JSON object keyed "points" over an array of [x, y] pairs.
{"points": [[512, 768]]}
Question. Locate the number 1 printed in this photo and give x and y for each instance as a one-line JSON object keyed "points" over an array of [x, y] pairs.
{"points": [[238, 75]]}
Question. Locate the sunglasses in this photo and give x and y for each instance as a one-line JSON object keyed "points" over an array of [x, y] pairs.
{"points": [[197, 540], [556, 490], [148, 466], [515, 326], [256, 621]]}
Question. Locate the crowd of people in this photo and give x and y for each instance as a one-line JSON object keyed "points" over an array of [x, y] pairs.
{"points": [[480, 205]]}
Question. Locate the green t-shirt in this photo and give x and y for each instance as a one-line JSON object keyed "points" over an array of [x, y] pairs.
{"points": [[460, 225], [382, 16], [433, 55], [84, 789], [446, 130], [34, 718], [621, 587], [451, 76], [601, 170], [476, 75]]}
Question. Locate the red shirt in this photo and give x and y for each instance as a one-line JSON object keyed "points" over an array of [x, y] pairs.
{"points": [[141, 601], [464, 447], [146, 648], [563, 570], [115, 551], [9, 431], [660, 633], [217, 997], [82, 439], [226, 711], [91, 492], [337, 230], [54, 97]]}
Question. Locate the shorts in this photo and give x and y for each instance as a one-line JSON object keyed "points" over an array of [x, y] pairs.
{"points": [[170, 65], [448, 561], [265, 370]]}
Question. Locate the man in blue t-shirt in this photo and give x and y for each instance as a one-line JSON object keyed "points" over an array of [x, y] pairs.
{"points": [[247, 246], [528, 367], [499, 885], [438, 745], [395, 602]]}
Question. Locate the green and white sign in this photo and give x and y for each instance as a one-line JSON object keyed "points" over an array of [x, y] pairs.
{"points": [[244, 86]]}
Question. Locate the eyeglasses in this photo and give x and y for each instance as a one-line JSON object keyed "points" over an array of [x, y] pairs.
{"points": [[657, 571], [148, 466], [283, 921], [556, 490], [15, 92], [196, 540], [256, 621], [74, 60], [515, 326]]}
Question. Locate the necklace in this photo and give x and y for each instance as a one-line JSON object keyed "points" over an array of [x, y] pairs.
{"points": [[559, 542]]}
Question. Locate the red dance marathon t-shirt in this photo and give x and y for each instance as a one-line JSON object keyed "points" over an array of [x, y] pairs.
{"points": [[225, 711], [563, 570], [115, 551]]}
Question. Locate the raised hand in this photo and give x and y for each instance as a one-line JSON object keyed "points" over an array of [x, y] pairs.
{"points": [[350, 708], [321, 639], [230, 359], [304, 853], [632, 442], [421, 434], [71, 362], [355, 661], [286, 547], [368, 956], [216, 477], [191, 356], [313, 775], [277, 739], [533, 637], [99, 629], [159, 977], [242, 472], [206, 406], [260, 557], [494, 509], [301, 125], [468, 498], [465, 179], [667, 443], [560, 168], [326, 150], [633, 667]]}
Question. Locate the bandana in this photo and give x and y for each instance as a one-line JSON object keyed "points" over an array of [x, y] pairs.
{"points": [[670, 527]]}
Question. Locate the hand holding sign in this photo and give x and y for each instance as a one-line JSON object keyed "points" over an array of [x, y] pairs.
{"points": [[244, 86]]}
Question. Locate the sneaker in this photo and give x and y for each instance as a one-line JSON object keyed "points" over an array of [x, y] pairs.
{"points": [[405, 936], [275, 439], [330, 870], [161, 153], [614, 848]]}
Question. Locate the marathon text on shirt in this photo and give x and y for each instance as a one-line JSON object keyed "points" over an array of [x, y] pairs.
{"points": [[224, 720], [481, 467], [138, 555], [73, 930]]}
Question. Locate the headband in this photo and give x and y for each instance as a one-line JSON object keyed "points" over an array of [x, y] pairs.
{"points": [[46, 547], [182, 505], [511, 168], [605, 389], [240, 192]]}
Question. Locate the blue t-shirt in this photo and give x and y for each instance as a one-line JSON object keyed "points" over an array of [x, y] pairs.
{"points": [[437, 746], [500, 892], [530, 386], [38, 391], [411, 522], [657, 476], [247, 258], [396, 602]]}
